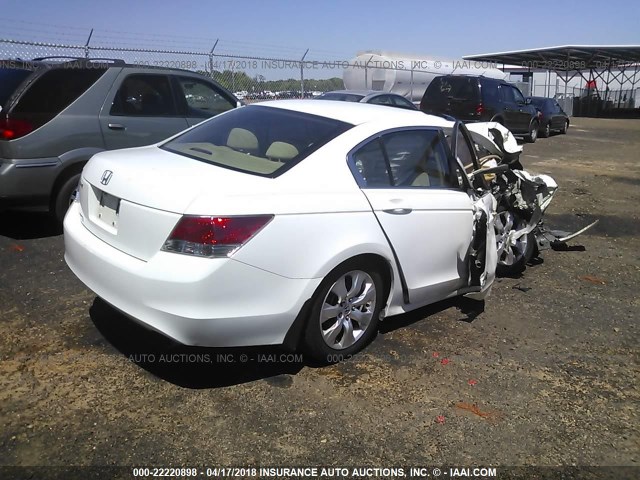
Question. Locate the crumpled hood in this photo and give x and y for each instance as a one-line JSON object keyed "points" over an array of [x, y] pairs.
{"points": [[495, 137]]}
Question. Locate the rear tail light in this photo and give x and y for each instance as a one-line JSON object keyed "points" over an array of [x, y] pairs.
{"points": [[479, 109], [13, 128], [213, 236]]}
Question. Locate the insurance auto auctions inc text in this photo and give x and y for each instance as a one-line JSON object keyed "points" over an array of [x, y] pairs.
{"points": [[355, 472]]}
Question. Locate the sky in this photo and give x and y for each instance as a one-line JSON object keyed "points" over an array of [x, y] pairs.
{"points": [[329, 29]]}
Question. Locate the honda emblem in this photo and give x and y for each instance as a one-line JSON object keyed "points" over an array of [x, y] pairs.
{"points": [[106, 177]]}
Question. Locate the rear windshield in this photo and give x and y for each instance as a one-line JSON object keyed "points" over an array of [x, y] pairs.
{"points": [[10, 78], [259, 140], [452, 88], [54, 91], [344, 97]]}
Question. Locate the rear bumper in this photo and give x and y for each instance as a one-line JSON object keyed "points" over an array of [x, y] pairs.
{"points": [[195, 301]]}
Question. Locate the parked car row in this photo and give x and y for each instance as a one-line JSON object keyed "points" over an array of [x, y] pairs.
{"points": [[369, 96], [475, 99]]}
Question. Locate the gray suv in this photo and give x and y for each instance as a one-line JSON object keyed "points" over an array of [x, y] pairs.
{"points": [[55, 115]]}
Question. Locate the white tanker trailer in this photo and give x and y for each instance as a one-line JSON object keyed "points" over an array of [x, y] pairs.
{"points": [[406, 75]]}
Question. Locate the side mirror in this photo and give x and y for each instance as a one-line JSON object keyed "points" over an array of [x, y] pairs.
{"points": [[527, 101]]}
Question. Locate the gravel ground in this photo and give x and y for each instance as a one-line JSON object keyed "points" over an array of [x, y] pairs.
{"points": [[546, 375]]}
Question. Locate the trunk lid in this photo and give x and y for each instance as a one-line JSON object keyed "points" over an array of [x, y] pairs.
{"points": [[132, 198]]}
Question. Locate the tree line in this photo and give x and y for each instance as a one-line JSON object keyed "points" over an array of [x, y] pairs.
{"points": [[239, 81]]}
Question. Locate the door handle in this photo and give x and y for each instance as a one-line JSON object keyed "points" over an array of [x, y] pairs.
{"points": [[116, 126], [398, 211]]}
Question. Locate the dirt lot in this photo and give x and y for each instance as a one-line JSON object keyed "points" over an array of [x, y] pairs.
{"points": [[547, 375]]}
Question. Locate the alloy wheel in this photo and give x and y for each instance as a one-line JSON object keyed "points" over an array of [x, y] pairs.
{"points": [[510, 249], [347, 309]]}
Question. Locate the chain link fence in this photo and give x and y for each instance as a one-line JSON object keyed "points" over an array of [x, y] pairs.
{"points": [[256, 78], [580, 101], [249, 77]]}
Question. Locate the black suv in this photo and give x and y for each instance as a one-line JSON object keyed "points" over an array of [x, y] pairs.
{"points": [[55, 115], [481, 99]]}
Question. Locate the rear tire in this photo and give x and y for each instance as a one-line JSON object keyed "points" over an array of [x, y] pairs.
{"points": [[345, 313], [565, 127], [64, 197], [533, 132], [546, 131]]}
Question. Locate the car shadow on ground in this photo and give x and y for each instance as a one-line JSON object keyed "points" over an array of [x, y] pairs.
{"points": [[192, 367], [200, 367], [468, 309], [20, 225]]}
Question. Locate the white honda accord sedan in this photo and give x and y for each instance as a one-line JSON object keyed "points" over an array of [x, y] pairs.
{"points": [[290, 222]]}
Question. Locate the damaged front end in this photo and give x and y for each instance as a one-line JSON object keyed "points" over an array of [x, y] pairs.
{"points": [[522, 199]]}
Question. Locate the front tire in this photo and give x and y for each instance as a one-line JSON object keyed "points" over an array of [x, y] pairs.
{"points": [[345, 312], [533, 132], [64, 197], [513, 254]]}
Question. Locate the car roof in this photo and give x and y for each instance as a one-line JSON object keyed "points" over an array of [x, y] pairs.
{"points": [[352, 92], [357, 113], [364, 93]]}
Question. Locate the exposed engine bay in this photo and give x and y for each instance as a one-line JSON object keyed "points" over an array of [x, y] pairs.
{"points": [[522, 198]]}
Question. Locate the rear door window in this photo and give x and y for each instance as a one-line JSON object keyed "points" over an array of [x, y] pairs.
{"points": [[489, 92], [403, 159], [417, 159], [144, 95], [54, 91], [507, 94], [381, 100], [402, 102], [371, 166], [202, 99]]}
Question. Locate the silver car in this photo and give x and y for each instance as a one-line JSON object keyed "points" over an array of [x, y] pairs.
{"points": [[369, 96]]}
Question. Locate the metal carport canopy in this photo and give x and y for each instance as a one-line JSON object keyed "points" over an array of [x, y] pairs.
{"points": [[567, 57]]}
